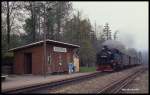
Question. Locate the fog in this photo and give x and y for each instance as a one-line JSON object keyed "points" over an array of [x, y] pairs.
{"points": [[129, 18]]}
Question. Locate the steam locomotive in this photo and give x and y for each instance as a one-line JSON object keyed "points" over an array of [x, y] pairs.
{"points": [[112, 58]]}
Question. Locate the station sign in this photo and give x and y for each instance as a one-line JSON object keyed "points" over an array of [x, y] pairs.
{"points": [[59, 49]]}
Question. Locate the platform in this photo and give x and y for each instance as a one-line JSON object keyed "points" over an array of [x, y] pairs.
{"points": [[21, 81]]}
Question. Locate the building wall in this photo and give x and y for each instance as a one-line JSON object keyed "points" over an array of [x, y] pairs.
{"points": [[76, 63], [57, 65], [36, 60], [18, 64]]}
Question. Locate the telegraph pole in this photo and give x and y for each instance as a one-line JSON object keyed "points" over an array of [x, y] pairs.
{"points": [[45, 55], [45, 33]]}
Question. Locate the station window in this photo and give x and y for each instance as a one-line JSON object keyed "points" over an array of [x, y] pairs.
{"points": [[60, 59], [49, 59]]}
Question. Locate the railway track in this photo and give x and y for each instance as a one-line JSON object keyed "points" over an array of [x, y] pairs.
{"points": [[117, 85], [38, 88]]}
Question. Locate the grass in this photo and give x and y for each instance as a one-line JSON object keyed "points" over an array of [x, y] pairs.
{"points": [[87, 69]]}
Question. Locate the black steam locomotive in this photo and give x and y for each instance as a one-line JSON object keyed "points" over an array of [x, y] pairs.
{"points": [[113, 59]]}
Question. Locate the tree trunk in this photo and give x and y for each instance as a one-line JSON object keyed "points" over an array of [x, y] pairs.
{"points": [[8, 24], [39, 27], [58, 21], [33, 22]]}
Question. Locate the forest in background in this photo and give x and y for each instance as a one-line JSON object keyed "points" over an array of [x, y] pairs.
{"points": [[23, 23]]}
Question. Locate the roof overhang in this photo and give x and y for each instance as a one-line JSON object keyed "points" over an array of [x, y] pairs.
{"points": [[47, 41]]}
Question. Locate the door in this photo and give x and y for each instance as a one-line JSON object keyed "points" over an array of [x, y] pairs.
{"points": [[28, 63], [55, 62]]}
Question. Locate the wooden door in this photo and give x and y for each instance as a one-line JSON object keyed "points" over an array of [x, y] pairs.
{"points": [[28, 63]]}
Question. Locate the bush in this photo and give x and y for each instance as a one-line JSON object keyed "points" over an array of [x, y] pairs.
{"points": [[87, 69], [7, 58]]}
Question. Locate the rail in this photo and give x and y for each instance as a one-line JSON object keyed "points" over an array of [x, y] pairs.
{"points": [[117, 85]]}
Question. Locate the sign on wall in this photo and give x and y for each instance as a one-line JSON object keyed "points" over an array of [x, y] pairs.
{"points": [[59, 49]]}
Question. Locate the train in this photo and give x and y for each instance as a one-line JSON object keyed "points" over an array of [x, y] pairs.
{"points": [[114, 56]]}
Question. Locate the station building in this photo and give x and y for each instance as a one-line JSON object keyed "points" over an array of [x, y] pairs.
{"points": [[29, 59]]}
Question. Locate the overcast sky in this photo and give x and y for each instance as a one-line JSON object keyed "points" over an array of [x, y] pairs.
{"points": [[129, 18]]}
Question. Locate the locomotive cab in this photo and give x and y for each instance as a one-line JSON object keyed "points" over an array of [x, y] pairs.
{"points": [[117, 56]]}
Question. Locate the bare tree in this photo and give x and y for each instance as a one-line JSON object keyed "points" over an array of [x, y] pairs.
{"points": [[11, 13]]}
